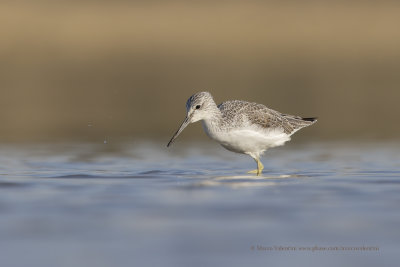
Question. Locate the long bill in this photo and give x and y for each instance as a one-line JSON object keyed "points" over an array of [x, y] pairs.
{"points": [[183, 126]]}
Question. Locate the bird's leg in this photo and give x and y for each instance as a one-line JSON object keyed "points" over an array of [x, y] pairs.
{"points": [[260, 167], [255, 171]]}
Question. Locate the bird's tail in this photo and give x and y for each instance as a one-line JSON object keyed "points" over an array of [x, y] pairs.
{"points": [[297, 122], [312, 119]]}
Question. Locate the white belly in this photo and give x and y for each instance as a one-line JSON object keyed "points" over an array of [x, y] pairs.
{"points": [[252, 140]]}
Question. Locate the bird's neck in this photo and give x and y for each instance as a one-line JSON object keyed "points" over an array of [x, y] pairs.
{"points": [[212, 123]]}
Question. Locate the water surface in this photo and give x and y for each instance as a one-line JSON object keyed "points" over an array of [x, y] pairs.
{"points": [[141, 204]]}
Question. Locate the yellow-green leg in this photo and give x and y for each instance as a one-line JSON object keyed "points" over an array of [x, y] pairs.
{"points": [[260, 167]]}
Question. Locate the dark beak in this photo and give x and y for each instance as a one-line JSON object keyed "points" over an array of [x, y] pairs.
{"points": [[183, 126]]}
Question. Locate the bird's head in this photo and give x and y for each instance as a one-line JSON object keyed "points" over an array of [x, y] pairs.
{"points": [[198, 107]]}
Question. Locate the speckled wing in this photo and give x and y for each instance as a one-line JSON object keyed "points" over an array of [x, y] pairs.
{"points": [[262, 116]]}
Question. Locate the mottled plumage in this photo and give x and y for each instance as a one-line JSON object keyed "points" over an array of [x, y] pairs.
{"points": [[236, 112], [241, 126]]}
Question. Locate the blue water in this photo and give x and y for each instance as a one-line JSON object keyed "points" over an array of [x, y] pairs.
{"points": [[141, 204]]}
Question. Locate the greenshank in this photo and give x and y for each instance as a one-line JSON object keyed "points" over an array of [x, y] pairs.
{"points": [[240, 126]]}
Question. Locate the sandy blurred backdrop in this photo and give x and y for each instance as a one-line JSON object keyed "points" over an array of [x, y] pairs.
{"points": [[117, 70]]}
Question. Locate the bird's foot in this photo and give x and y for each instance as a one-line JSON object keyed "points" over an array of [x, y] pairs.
{"points": [[258, 172]]}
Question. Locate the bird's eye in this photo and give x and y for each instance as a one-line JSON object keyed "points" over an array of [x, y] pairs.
{"points": [[198, 106]]}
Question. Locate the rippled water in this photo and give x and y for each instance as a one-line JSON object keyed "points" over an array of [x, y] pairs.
{"points": [[194, 205]]}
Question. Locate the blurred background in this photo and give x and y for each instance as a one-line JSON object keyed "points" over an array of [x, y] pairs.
{"points": [[113, 71], [76, 75]]}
